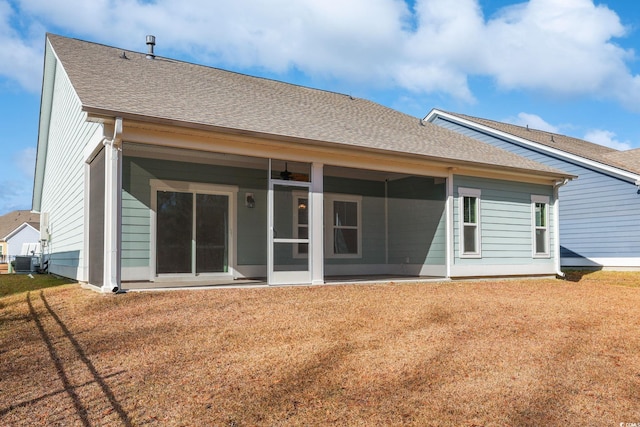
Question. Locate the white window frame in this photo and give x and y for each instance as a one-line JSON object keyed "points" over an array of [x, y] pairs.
{"points": [[535, 199], [476, 193], [230, 191], [297, 195], [329, 226]]}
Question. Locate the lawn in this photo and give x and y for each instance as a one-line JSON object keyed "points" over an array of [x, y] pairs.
{"points": [[508, 353], [15, 283]]}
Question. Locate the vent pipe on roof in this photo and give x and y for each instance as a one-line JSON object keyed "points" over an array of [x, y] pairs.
{"points": [[151, 42]]}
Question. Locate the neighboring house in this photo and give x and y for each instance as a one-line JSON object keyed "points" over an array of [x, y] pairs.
{"points": [[600, 211], [17, 229], [159, 171]]}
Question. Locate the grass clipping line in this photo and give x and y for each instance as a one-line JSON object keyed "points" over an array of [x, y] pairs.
{"points": [[530, 352]]}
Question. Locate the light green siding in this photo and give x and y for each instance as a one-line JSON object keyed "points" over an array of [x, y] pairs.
{"points": [[373, 231], [505, 221], [136, 205], [64, 177], [417, 221], [415, 209]]}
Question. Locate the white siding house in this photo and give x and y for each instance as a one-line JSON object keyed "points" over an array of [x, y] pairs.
{"points": [[154, 172]]}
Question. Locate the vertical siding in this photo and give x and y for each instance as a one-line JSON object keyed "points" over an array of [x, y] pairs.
{"points": [[64, 177], [598, 212], [505, 221]]}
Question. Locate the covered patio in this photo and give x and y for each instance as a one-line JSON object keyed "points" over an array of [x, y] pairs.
{"points": [[212, 219]]}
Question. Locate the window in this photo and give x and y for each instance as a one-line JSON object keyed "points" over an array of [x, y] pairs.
{"points": [[469, 222], [540, 210], [343, 226], [301, 223]]}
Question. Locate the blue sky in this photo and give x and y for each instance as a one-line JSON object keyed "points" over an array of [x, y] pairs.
{"points": [[568, 66]]}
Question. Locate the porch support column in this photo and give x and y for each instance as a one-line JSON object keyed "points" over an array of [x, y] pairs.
{"points": [[112, 209], [449, 256], [556, 221], [317, 224]]}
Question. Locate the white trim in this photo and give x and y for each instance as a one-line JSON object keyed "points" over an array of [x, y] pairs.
{"points": [[329, 226], [20, 228], [316, 219], [450, 233], [540, 199], [411, 270], [230, 191], [604, 262], [610, 170], [297, 195], [535, 199], [86, 218], [112, 213], [501, 270], [291, 276], [475, 193]]}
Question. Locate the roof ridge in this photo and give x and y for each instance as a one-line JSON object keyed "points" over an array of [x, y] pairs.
{"points": [[531, 129], [181, 61], [568, 144], [187, 94]]}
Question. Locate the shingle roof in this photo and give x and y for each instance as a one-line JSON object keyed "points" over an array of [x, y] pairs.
{"points": [[179, 92], [12, 220], [625, 160]]}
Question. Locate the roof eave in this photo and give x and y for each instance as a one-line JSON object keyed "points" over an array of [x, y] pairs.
{"points": [[105, 116], [609, 169]]}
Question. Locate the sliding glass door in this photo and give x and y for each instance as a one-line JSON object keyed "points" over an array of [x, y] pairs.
{"points": [[212, 231], [193, 230], [174, 232]]}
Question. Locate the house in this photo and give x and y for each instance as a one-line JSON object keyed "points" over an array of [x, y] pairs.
{"points": [[155, 172], [599, 214], [17, 229]]}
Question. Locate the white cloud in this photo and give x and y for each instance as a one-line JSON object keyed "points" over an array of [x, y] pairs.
{"points": [[534, 122], [20, 54], [607, 138], [560, 47], [14, 195], [25, 161]]}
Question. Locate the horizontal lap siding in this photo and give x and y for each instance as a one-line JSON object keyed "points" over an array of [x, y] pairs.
{"points": [[505, 221], [136, 205], [599, 213], [63, 187], [417, 222], [372, 210]]}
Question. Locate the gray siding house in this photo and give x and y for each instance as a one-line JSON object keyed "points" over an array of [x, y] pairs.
{"points": [[600, 211], [154, 172]]}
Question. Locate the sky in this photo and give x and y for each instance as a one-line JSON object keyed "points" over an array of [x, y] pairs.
{"points": [[565, 66]]}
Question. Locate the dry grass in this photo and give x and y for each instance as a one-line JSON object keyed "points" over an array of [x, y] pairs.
{"points": [[514, 353]]}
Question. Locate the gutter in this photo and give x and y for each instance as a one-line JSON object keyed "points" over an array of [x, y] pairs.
{"points": [[556, 214], [102, 115]]}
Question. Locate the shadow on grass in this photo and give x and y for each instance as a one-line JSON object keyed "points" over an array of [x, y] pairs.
{"points": [[68, 388], [11, 284], [578, 275]]}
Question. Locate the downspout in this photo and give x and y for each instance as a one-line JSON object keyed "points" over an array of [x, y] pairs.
{"points": [[113, 203], [556, 215], [449, 256]]}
